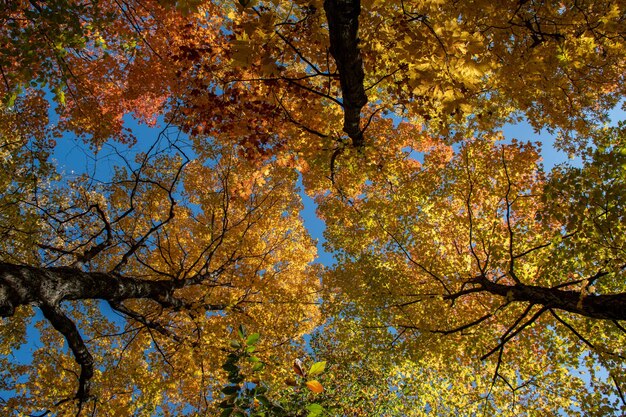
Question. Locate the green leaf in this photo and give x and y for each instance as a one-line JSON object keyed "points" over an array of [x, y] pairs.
{"points": [[230, 367], [317, 368], [235, 344], [241, 331], [236, 378], [230, 389], [227, 412], [10, 100], [277, 410], [253, 339], [263, 400], [61, 96], [258, 366], [227, 403], [314, 410]]}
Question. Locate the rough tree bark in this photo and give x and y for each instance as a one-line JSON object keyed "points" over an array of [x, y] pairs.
{"points": [[595, 306], [48, 287], [343, 26]]}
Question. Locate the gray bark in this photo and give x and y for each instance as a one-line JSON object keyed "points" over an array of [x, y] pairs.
{"points": [[48, 287], [22, 285]]}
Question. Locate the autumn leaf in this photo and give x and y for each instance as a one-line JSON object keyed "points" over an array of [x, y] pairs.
{"points": [[297, 367], [317, 368], [314, 386]]}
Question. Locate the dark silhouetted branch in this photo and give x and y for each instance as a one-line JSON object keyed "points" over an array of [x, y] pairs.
{"points": [[343, 26]]}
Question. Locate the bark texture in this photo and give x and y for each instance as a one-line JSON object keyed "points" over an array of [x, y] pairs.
{"points": [[343, 26], [22, 285], [596, 306], [48, 287]]}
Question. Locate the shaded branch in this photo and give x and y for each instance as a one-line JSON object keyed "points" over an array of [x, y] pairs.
{"points": [[596, 306], [143, 320], [48, 287], [463, 327], [68, 329], [513, 330], [343, 26]]}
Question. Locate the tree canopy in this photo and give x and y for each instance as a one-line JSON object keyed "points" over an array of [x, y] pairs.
{"points": [[468, 279]]}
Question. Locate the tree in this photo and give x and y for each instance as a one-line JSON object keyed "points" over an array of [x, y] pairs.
{"points": [[182, 250], [479, 256], [194, 236]]}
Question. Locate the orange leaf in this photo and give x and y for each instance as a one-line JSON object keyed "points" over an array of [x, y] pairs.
{"points": [[315, 386]]}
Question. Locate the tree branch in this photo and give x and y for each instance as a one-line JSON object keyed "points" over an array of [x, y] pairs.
{"points": [[596, 306], [68, 329]]}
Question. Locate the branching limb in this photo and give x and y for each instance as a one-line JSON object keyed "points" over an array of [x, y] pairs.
{"points": [[592, 347], [580, 337], [496, 372], [509, 204], [143, 320], [619, 326], [465, 326], [596, 306], [470, 218], [68, 329], [297, 123], [514, 330]]}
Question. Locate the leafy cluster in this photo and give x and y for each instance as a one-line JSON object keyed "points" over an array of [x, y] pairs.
{"points": [[250, 396]]}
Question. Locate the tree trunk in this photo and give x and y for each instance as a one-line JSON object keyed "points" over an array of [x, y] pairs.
{"points": [[48, 287], [22, 285], [343, 26]]}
